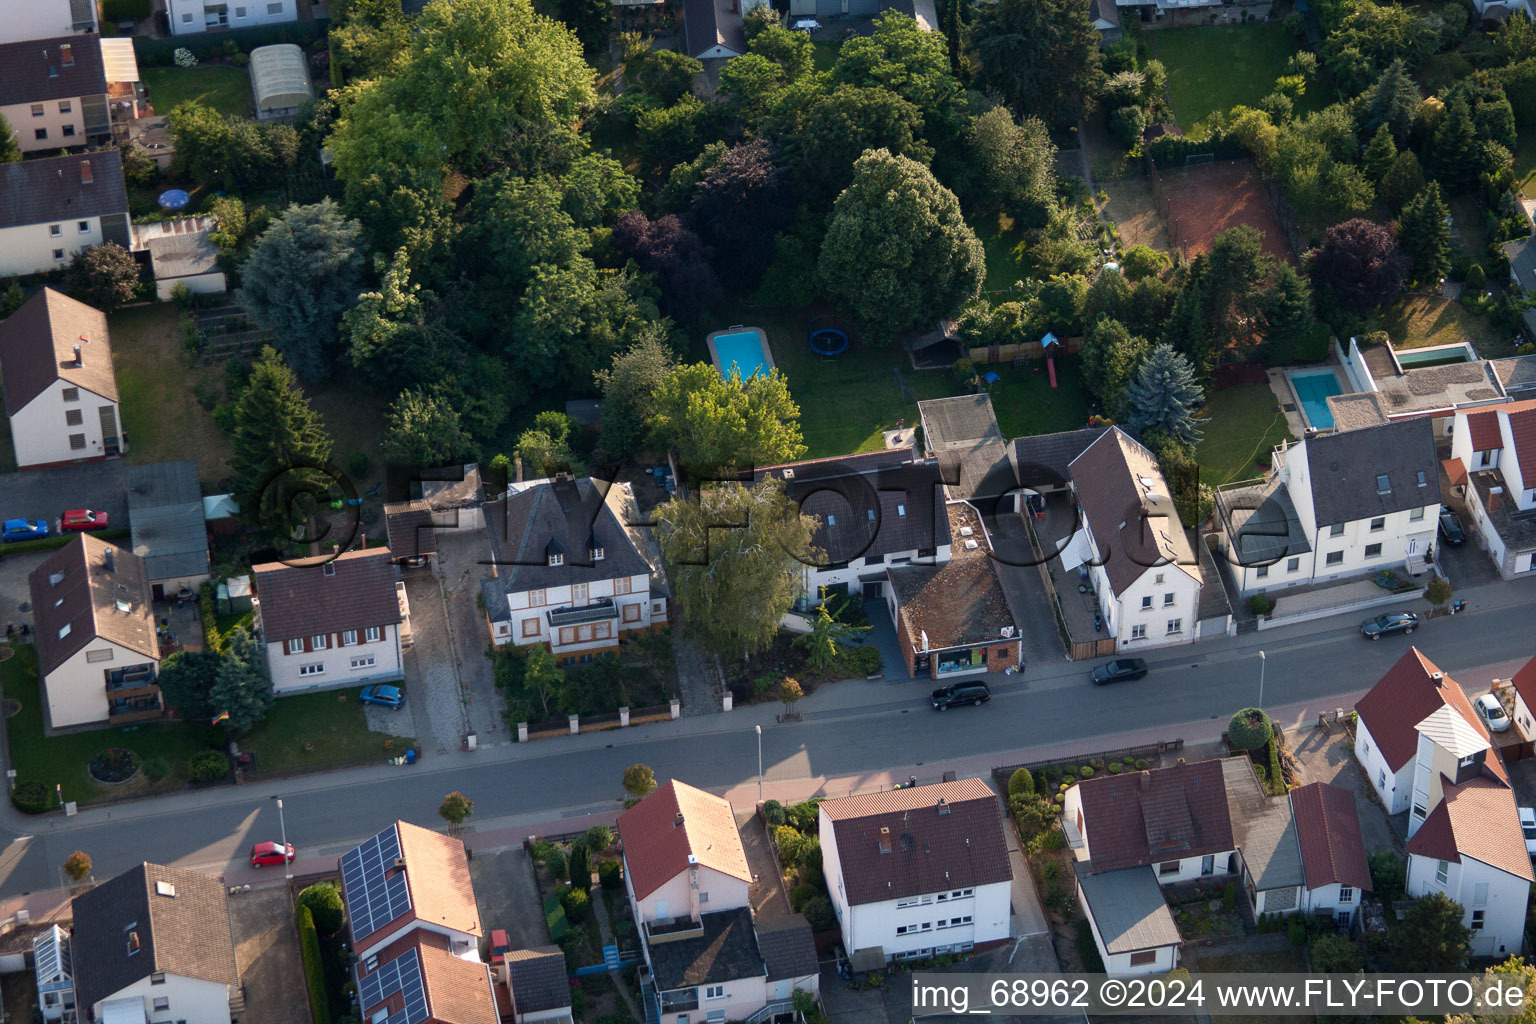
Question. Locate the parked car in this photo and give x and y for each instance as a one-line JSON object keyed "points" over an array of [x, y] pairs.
{"points": [[263, 854], [1491, 712], [956, 694], [78, 520], [383, 696], [1119, 671], [499, 946], [1528, 826], [24, 529], [1391, 622], [1450, 528]]}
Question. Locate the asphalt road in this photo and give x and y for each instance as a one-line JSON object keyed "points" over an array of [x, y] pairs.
{"points": [[879, 727]]}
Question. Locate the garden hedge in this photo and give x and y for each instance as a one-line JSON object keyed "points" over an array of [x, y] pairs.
{"points": [[314, 969]]}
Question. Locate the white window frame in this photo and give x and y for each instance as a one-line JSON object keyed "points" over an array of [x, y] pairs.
{"points": [[1175, 626], [320, 642], [1442, 872], [1139, 632], [1346, 894], [315, 668], [714, 991], [360, 661], [373, 634], [349, 638], [296, 645]]}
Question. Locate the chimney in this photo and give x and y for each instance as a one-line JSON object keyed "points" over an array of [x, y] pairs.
{"points": [[677, 822], [86, 174], [1495, 498], [1437, 676], [885, 839], [78, 360], [943, 806], [519, 476], [67, 55], [108, 561]]}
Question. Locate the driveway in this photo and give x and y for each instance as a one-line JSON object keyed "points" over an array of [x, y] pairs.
{"points": [[1025, 592], [431, 682], [508, 897], [882, 636], [267, 952], [1329, 757], [1466, 565], [14, 591], [460, 566], [46, 493]]}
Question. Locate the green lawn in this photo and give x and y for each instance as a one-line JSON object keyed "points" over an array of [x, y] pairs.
{"points": [[1284, 961], [1217, 67], [332, 722], [1245, 424], [1525, 163], [1420, 321], [999, 238], [1026, 404], [226, 89]]}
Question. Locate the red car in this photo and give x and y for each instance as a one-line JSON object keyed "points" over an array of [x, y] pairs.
{"points": [[499, 946], [78, 520], [263, 854]]}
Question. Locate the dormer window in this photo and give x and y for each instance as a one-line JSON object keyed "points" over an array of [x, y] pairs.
{"points": [[1383, 485], [1467, 762], [556, 559], [596, 553], [554, 553]]}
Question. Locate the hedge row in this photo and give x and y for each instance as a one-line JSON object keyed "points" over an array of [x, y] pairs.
{"points": [[205, 45], [314, 969], [22, 547]]}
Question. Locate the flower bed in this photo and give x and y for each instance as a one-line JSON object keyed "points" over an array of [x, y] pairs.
{"points": [[114, 765]]}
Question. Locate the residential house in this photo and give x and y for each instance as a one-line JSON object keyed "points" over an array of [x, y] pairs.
{"points": [[97, 650], [874, 510], [687, 878], [45, 19], [1464, 835], [1105, 15], [190, 16], [1335, 505], [953, 618], [570, 574], [1332, 849], [52, 208], [1492, 448], [712, 29], [60, 388], [1416, 383], [415, 929], [154, 944], [918, 872], [1138, 558], [170, 533], [53, 92], [54, 974], [331, 622], [410, 532], [961, 434], [533, 986], [922, 11], [1523, 683]]}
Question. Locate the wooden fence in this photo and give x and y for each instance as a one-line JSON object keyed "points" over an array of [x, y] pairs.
{"points": [[1086, 649], [1022, 350]]}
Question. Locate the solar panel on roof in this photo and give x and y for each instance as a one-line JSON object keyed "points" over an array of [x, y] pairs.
{"points": [[374, 900], [402, 975]]}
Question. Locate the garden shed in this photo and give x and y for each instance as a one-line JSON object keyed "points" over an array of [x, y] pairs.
{"points": [[280, 81]]}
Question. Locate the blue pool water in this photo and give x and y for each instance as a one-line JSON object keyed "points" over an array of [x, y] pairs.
{"points": [[744, 349], [1313, 388]]}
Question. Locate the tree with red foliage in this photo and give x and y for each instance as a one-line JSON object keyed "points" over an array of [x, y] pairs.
{"points": [[676, 256], [1359, 265], [741, 202]]}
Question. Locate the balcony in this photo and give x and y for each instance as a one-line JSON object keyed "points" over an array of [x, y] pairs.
{"points": [[600, 609], [674, 930], [134, 709], [680, 1000], [122, 682]]}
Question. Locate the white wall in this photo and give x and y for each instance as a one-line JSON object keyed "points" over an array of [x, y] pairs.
{"points": [[336, 659], [526, 617], [1176, 582], [875, 924], [28, 248], [39, 19], [199, 284], [1398, 786], [188, 16], [77, 690], [1189, 868], [1502, 902], [24, 124], [1524, 720], [190, 999], [679, 899], [1327, 897], [463, 945], [41, 435], [1166, 957], [743, 997]]}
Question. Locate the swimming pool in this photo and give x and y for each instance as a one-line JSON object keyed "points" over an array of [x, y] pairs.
{"points": [[1312, 389], [1439, 355], [745, 348]]}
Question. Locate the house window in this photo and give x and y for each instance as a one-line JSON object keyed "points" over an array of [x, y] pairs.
{"points": [[1157, 580], [1416, 515], [1261, 572], [1292, 565], [1175, 626], [40, 134], [1480, 895], [567, 635], [530, 627], [58, 255], [1373, 551], [157, 978], [1168, 867], [84, 227], [597, 554], [67, 55], [1146, 603], [714, 992], [274, 8], [604, 630], [1144, 957], [73, 417], [1346, 894], [37, 110], [1167, 600], [295, 646], [1477, 920], [1378, 524], [621, 585], [1442, 871], [1138, 632], [373, 634], [578, 593], [348, 637], [186, 19], [319, 642], [632, 613], [362, 661], [65, 107], [1335, 558], [312, 670], [1336, 530], [1381, 777], [1383, 485], [1419, 810], [162, 1003], [715, 1017], [69, 394], [239, 12], [703, 897], [55, 230], [535, 598], [556, 559], [69, 131], [76, 442], [105, 654]]}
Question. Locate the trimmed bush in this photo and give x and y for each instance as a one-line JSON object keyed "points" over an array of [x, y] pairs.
{"points": [[1260, 604], [1141, 764], [818, 911], [555, 864], [314, 969], [326, 909], [773, 813], [1053, 840], [31, 797], [581, 868], [1296, 932], [1086, 773], [1114, 768], [577, 905], [1021, 783], [802, 817], [597, 839], [800, 894], [609, 875], [1276, 776], [1229, 897], [1250, 729], [554, 920], [207, 766], [1476, 277]]}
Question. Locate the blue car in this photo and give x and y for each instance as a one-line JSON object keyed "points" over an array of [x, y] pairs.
{"points": [[383, 696], [24, 529]]}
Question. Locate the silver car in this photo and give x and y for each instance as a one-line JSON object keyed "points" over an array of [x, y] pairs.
{"points": [[1491, 712]]}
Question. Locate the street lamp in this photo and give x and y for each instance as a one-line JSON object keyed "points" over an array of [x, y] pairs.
{"points": [[283, 825], [1262, 661], [759, 763]]}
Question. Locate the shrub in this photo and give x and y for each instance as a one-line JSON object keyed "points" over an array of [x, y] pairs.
{"points": [[207, 766], [1141, 764], [609, 875], [773, 813], [577, 905], [597, 839], [1087, 949], [314, 969], [182, 296], [1229, 897], [1053, 840], [818, 911], [789, 843], [581, 868], [359, 465], [184, 58], [1276, 776], [555, 864], [799, 894], [1021, 783], [1296, 932], [1260, 604], [1086, 773], [1336, 954], [240, 60], [541, 850], [802, 816], [324, 902], [31, 797], [1097, 763], [155, 768], [1387, 876], [1114, 768], [1476, 278], [1250, 729]]}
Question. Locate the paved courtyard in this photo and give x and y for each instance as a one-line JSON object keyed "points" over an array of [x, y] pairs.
{"points": [[461, 565], [267, 952], [14, 591], [429, 672], [1329, 757], [508, 896], [45, 493]]}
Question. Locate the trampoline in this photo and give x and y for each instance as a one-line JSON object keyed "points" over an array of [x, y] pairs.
{"points": [[829, 341]]}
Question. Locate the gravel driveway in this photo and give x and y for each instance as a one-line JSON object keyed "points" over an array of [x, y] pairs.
{"points": [[461, 565], [432, 685]]}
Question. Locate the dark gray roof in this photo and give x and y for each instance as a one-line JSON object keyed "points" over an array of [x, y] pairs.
{"points": [[538, 978], [875, 504], [39, 191], [172, 541], [1264, 828], [1516, 374], [710, 23], [1129, 909], [787, 947], [1261, 520], [162, 484], [958, 420], [494, 595], [1521, 254], [174, 256], [1042, 460], [1344, 467], [725, 952], [565, 515], [35, 72], [408, 529], [186, 933]]}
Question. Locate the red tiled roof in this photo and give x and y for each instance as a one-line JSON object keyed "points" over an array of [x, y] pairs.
{"points": [[1407, 695], [925, 839], [354, 590], [1328, 830], [657, 846], [458, 991], [1524, 682], [437, 875], [1476, 819], [1158, 815], [1522, 431], [1483, 430], [1455, 471]]}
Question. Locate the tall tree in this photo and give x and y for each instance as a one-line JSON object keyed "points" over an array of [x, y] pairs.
{"points": [[589, 19], [242, 688], [394, 334], [186, 679], [734, 559], [1452, 153], [826, 640], [1402, 181], [1164, 397], [1111, 359], [1379, 154], [1359, 265], [1017, 164], [279, 445], [1391, 103], [1286, 309], [639, 780], [739, 203], [1424, 234], [302, 274], [104, 276], [10, 149], [719, 424], [629, 389], [1431, 937], [231, 153], [456, 808], [898, 251], [677, 257], [1041, 56], [905, 58], [365, 37], [838, 127], [425, 430], [545, 448]]}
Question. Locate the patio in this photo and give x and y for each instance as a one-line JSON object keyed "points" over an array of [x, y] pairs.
{"points": [[179, 625]]}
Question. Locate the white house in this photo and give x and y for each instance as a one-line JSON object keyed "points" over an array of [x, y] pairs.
{"points": [[60, 388], [54, 207], [569, 570], [331, 622], [189, 16], [1523, 683], [1464, 835], [55, 92], [44, 19], [1332, 849], [687, 878], [1489, 447], [1348, 503], [97, 650], [154, 943], [1139, 559], [918, 872], [415, 929]]}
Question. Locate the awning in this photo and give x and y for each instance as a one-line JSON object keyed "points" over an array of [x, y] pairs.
{"points": [[1455, 470], [121, 64], [1078, 550]]}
